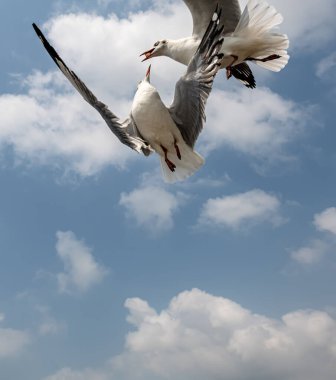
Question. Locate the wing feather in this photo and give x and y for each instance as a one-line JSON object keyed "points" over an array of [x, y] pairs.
{"points": [[193, 89], [202, 10], [126, 131]]}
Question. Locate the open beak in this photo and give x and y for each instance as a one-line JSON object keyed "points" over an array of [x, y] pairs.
{"points": [[148, 73], [147, 54]]}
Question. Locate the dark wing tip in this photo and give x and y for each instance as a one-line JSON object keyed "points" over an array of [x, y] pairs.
{"points": [[243, 73]]}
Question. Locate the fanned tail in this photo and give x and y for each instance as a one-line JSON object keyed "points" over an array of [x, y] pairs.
{"points": [[190, 162], [255, 25]]}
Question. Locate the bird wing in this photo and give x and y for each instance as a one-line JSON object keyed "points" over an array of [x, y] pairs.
{"points": [[193, 88], [127, 131], [202, 10]]}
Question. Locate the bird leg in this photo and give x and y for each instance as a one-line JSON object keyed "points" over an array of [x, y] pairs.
{"points": [[177, 150], [228, 68], [266, 59], [170, 164]]}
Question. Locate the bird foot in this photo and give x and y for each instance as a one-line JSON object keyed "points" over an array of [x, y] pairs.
{"points": [[177, 151], [271, 58], [228, 72], [170, 164]]}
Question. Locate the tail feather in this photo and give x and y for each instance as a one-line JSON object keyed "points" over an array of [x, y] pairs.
{"points": [[190, 162], [258, 17], [255, 26]]}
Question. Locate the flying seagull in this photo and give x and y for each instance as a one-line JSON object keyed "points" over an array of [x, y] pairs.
{"points": [[248, 37], [169, 131]]}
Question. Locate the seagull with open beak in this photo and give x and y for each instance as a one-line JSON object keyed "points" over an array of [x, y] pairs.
{"points": [[169, 131]]}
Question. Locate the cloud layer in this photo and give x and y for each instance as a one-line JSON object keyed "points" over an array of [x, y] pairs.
{"points": [[202, 336]]}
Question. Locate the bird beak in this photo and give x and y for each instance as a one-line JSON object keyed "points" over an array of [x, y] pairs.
{"points": [[148, 73], [147, 54]]}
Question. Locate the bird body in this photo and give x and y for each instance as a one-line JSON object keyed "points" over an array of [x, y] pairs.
{"points": [[157, 127]]}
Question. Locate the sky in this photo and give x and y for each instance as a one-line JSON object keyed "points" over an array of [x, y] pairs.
{"points": [[108, 273]]}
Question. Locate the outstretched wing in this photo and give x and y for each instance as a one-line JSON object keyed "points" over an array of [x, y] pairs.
{"points": [[193, 89], [126, 131], [202, 10]]}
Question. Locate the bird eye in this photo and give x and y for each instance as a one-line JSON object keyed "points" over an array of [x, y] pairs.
{"points": [[157, 43], [164, 41]]}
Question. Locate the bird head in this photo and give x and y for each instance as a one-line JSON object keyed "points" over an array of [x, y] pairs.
{"points": [[158, 49]]}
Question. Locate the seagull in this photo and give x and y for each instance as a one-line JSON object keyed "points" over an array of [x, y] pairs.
{"points": [[248, 37], [172, 131]]}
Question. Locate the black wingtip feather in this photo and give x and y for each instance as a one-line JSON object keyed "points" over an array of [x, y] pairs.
{"points": [[243, 73]]}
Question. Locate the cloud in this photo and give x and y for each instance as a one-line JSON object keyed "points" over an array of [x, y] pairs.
{"points": [[259, 124], [326, 220], [239, 210], [49, 325], [69, 374], [326, 65], [201, 336], [12, 341], [310, 254], [152, 207], [81, 271], [316, 250]]}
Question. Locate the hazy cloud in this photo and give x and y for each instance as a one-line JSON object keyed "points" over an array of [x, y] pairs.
{"points": [[81, 270]]}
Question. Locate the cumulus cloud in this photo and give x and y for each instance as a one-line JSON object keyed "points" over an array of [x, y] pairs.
{"points": [[260, 124], [152, 207], [316, 250], [326, 220], [201, 336], [12, 341], [239, 210], [81, 270]]}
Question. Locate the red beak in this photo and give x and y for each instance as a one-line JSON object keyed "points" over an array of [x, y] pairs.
{"points": [[147, 54], [148, 71]]}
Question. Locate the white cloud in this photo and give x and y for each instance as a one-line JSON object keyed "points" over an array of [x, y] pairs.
{"points": [[326, 220], [317, 249], [152, 207], [258, 123], [12, 341], [201, 336], [81, 271], [238, 210], [310, 254]]}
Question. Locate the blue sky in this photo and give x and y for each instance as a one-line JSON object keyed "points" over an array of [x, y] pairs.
{"points": [[106, 272]]}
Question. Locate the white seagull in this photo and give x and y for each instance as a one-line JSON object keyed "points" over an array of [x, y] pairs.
{"points": [[248, 37], [169, 131]]}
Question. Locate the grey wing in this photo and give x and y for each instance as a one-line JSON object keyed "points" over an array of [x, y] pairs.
{"points": [[127, 131], [193, 89], [202, 11]]}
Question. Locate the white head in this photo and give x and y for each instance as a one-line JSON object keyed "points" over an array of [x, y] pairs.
{"points": [[159, 48]]}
